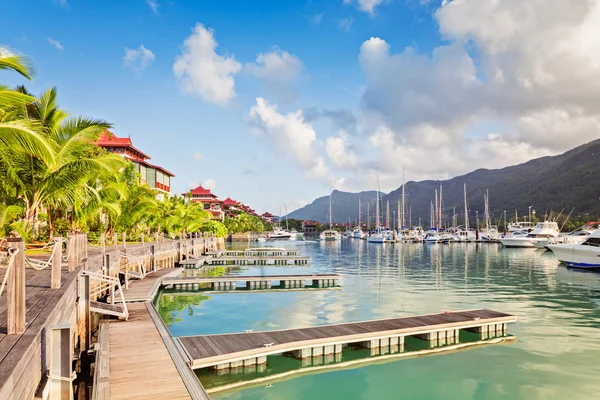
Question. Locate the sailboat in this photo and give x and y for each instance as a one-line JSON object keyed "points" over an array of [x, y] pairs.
{"points": [[330, 234], [490, 233], [376, 237], [465, 235], [357, 233]]}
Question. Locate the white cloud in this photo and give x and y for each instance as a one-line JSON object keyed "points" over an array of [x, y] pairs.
{"points": [[198, 156], [522, 99], [367, 6], [138, 59], [209, 183], [153, 4], [290, 134], [345, 24], [203, 72], [279, 71], [335, 147], [55, 43]]}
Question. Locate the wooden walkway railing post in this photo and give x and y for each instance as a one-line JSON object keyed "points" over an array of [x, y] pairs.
{"points": [[102, 244], [124, 240], [60, 363], [115, 241], [83, 307], [152, 257], [15, 289], [72, 251], [56, 263]]}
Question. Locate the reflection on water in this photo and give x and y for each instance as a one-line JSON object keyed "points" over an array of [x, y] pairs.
{"points": [[559, 319]]}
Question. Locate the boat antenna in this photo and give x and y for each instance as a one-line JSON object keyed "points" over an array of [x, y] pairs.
{"points": [[564, 223]]}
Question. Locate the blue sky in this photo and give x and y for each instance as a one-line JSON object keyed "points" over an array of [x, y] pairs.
{"points": [[345, 89]]}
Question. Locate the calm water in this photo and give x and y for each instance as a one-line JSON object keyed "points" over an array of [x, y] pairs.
{"points": [[556, 354]]}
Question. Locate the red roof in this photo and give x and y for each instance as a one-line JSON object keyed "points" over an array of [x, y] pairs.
{"points": [[216, 213], [309, 223], [212, 200], [267, 215], [230, 202], [201, 191], [109, 139]]}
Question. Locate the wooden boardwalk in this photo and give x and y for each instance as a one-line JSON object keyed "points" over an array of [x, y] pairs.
{"points": [[232, 350], [142, 290], [20, 355], [141, 366]]}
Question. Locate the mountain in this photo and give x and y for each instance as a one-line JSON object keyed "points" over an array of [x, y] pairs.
{"points": [[555, 183], [344, 205]]}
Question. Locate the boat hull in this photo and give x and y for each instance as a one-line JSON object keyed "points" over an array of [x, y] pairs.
{"points": [[518, 242], [375, 239], [575, 255]]}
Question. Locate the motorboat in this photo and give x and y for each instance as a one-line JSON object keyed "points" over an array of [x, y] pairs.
{"points": [[357, 233], [583, 255], [520, 226], [542, 231], [280, 234], [261, 238], [432, 237], [465, 235], [490, 234], [330, 235], [376, 237]]}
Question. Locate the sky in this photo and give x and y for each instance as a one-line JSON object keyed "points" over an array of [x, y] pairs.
{"points": [[268, 102]]}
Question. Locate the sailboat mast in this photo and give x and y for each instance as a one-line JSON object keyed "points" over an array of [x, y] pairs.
{"points": [[440, 211], [400, 225], [435, 222], [387, 215], [466, 209], [287, 228], [369, 217], [403, 201], [330, 205], [377, 207], [359, 221]]}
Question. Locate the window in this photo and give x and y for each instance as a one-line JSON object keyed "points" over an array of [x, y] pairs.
{"points": [[152, 177]]}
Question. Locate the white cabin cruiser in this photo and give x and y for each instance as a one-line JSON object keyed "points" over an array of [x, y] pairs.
{"points": [[584, 255], [541, 232], [330, 235], [357, 233]]}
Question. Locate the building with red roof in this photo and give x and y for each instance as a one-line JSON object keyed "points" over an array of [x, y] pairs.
{"points": [[268, 217], [309, 226], [209, 201], [156, 177]]}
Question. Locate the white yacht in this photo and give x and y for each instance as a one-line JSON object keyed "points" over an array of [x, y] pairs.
{"points": [[465, 235], [432, 237], [330, 234], [357, 233], [542, 231], [279, 234], [584, 255], [520, 226]]}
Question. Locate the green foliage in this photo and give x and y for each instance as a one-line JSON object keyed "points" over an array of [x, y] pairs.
{"points": [[244, 223]]}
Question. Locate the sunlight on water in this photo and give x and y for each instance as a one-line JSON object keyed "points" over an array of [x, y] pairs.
{"points": [[555, 355]]}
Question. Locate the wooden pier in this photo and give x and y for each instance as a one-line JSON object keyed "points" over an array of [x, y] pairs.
{"points": [[250, 348], [135, 361], [259, 260], [254, 282]]}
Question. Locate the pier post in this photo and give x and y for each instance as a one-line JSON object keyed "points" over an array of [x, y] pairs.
{"points": [[15, 290], [72, 251], [152, 257], [56, 261], [83, 307], [124, 239], [179, 255], [60, 386], [102, 244]]}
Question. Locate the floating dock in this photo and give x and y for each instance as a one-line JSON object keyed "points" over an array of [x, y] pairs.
{"points": [[250, 348], [254, 282], [259, 260]]}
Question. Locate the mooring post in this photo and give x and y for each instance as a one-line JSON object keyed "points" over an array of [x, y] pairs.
{"points": [[83, 307], [15, 290], [60, 364], [56, 261], [106, 266], [152, 259], [179, 255], [124, 236], [102, 244]]}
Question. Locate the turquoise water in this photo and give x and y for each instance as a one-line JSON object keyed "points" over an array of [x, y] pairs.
{"points": [[556, 354]]}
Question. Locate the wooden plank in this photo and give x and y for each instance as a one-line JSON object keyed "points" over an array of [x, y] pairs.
{"points": [[137, 352], [101, 389]]}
